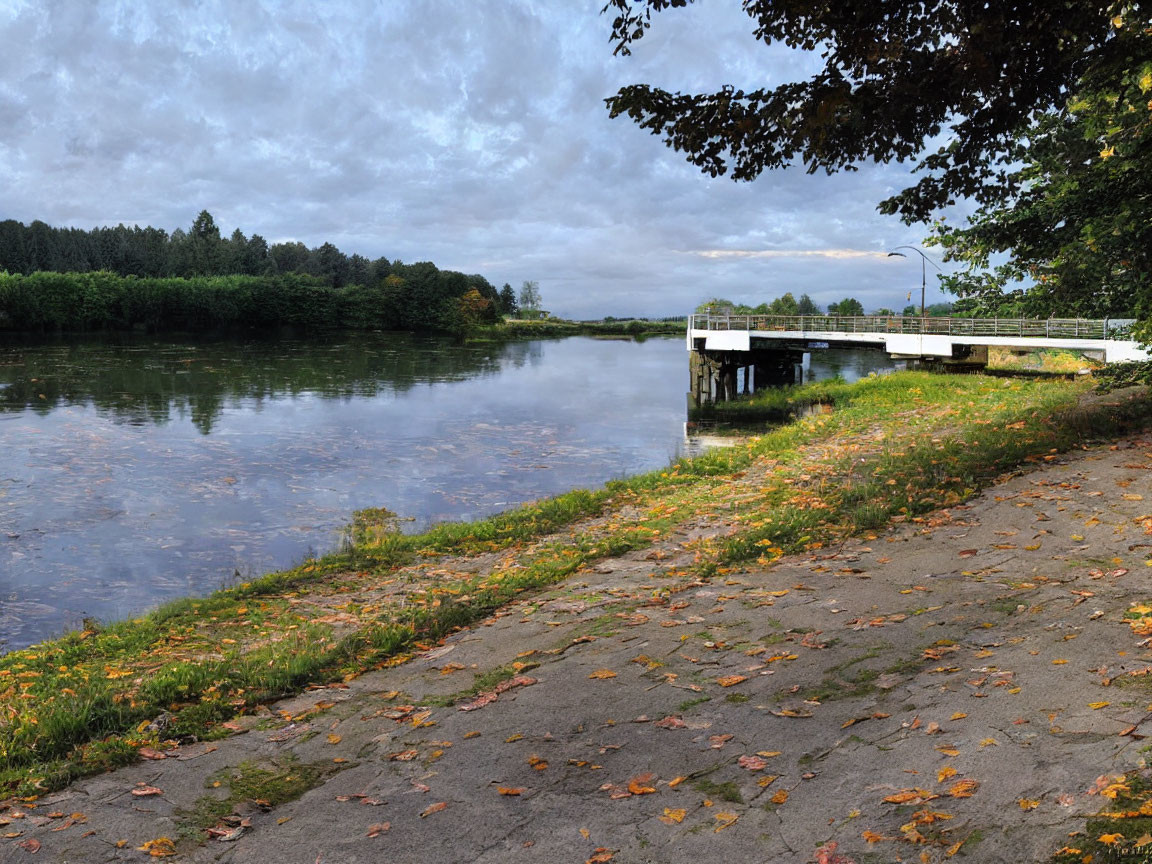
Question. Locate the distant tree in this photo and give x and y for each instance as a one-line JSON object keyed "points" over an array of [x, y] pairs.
{"points": [[530, 295], [806, 306], [847, 306], [256, 261], [910, 310], [716, 306], [508, 304], [359, 270], [785, 305], [883, 310]]}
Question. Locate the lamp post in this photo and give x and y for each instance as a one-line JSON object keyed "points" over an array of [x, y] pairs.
{"points": [[924, 260]]}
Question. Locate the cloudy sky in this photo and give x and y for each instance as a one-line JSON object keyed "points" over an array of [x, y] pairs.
{"points": [[472, 134]]}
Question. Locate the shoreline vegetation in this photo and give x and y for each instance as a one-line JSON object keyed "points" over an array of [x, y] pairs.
{"points": [[888, 449], [415, 298]]}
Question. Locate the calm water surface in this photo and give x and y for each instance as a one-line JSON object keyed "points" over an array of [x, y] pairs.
{"points": [[135, 471]]}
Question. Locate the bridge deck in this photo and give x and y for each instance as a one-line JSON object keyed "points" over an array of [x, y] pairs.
{"points": [[913, 336]]}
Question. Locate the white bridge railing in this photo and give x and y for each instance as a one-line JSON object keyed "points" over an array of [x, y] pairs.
{"points": [[1075, 328]]}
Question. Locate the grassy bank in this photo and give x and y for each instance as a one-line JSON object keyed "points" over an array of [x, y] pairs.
{"points": [[893, 448], [558, 328]]}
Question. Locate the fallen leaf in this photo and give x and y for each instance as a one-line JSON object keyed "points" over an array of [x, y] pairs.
{"points": [[510, 790], [725, 820], [433, 808], [752, 763], [731, 680], [640, 784], [602, 855], [31, 845], [379, 828], [909, 796], [963, 788], [959, 715], [144, 791], [944, 773], [1096, 706], [1028, 803], [670, 723], [603, 673], [161, 847], [673, 817], [780, 797], [335, 739]]}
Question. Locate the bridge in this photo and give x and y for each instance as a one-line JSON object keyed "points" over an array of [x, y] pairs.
{"points": [[770, 349]]}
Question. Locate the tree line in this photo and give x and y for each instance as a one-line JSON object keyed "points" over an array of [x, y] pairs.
{"points": [[197, 280], [789, 305]]}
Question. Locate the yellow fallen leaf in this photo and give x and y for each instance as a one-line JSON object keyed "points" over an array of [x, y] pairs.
{"points": [[161, 847], [1096, 706], [1132, 496], [989, 742], [777, 593], [959, 715], [731, 680], [872, 836], [603, 673], [766, 781], [673, 817], [725, 820], [335, 739], [948, 751], [585, 833], [1110, 839], [676, 781], [944, 773], [780, 797], [1059, 662], [1028, 803], [510, 790], [768, 754]]}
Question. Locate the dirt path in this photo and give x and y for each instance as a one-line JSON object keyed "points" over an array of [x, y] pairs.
{"points": [[937, 691]]}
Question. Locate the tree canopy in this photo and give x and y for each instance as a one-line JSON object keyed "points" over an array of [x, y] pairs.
{"points": [[895, 75], [1077, 239]]}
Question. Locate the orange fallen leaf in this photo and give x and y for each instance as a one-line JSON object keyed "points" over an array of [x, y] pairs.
{"points": [[907, 796], [379, 828], [31, 845], [676, 781], [780, 797], [731, 680], [602, 855], [1028, 803], [603, 673], [959, 715], [510, 790], [641, 784], [673, 817], [872, 836], [944, 773], [145, 791], [335, 739], [433, 808], [963, 788], [1110, 839]]}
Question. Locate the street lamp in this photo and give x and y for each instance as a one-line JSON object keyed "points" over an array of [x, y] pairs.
{"points": [[923, 270]]}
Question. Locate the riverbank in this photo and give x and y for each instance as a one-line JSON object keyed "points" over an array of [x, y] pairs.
{"points": [[559, 328], [893, 449]]}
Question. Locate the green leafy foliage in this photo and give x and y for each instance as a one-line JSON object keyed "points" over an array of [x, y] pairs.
{"points": [[893, 76]]}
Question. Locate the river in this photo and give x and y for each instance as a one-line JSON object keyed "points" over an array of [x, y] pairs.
{"points": [[135, 470]]}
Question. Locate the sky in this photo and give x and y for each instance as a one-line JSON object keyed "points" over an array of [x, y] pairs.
{"points": [[471, 134]]}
